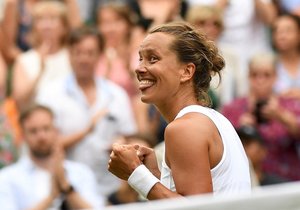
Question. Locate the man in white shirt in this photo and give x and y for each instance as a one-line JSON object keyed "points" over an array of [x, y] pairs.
{"points": [[43, 179], [90, 111]]}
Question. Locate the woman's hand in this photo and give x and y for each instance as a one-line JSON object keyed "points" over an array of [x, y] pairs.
{"points": [[148, 157], [272, 109], [247, 119], [123, 160]]}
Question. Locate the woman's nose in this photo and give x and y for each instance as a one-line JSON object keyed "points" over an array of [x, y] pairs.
{"points": [[140, 68]]}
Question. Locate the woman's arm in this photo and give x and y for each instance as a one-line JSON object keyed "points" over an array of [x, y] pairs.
{"points": [[3, 74], [23, 87], [273, 110], [73, 13], [186, 154], [68, 141], [266, 10], [10, 30]]}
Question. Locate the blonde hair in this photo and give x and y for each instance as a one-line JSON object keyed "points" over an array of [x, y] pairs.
{"points": [[262, 59], [49, 7], [202, 13]]}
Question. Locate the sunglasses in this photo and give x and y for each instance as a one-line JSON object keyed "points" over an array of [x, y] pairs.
{"points": [[265, 75], [209, 22]]}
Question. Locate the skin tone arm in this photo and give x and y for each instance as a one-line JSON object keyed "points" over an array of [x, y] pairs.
{"points": [[274, 111], [179, 138], [60, 183], [222, 4], [46, 203], [74, 199], [73, 13], [9, 27], [266, 11], [292, 93], [2, 76], [124, 159], [190, 170], [23, 87], [71, 140]]}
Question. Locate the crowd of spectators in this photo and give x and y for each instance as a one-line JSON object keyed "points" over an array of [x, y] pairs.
{"points": [[73, 62]]}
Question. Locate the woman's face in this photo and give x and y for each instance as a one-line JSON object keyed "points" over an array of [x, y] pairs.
{"points": [[49, 27], [211, 27], [113, 27], [262, 79], [286, 35], [159, 70]]}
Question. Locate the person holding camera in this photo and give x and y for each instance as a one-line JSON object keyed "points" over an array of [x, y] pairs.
{"points": [[276, 118]]}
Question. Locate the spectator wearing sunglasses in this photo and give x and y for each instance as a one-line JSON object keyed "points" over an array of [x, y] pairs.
{"points": [[276, 118]]}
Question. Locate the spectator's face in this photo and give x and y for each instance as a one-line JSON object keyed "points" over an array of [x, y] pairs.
{"points": [[40, 133], [113, 27], [84, 57], [49, 27], [286, 34], [211, 27], [262, 79]]}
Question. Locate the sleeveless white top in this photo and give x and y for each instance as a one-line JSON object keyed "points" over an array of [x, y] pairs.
{"points": [[57, 66], [231, 175]]}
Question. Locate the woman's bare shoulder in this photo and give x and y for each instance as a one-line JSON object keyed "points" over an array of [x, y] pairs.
{"points": [[192, 127]]}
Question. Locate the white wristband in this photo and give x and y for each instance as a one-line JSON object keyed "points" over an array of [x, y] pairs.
{"points": [[142, 180]]}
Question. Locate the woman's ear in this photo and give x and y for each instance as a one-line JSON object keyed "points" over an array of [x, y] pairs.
{"points": [[187, 72]]}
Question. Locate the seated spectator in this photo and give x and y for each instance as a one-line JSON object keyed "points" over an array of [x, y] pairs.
{"points": [[48, 60], [90, 111], [276, 118], [286, 40], [43, 179], [256, 151]]}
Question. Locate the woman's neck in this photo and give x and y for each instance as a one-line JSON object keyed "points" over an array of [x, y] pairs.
{"points": [[170, 110], [290, 56], [86, 83], [291, 62]]}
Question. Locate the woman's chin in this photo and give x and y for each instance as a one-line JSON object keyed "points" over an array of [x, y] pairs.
{"points": [[146, 99]]}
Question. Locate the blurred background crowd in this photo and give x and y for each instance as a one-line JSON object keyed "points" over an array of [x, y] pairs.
{"points": [[77, 58]]}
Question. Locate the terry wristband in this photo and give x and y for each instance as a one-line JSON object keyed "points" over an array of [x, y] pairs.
{"points": [[142, 180]]}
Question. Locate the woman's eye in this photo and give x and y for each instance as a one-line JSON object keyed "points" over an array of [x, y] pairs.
{"points": [[153, 59]]}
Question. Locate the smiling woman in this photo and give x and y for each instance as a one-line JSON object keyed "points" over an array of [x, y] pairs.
{"points": [[48, 60], [203, 153]]}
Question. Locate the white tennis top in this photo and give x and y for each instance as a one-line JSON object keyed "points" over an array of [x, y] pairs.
{"points": [[231, 175]]}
